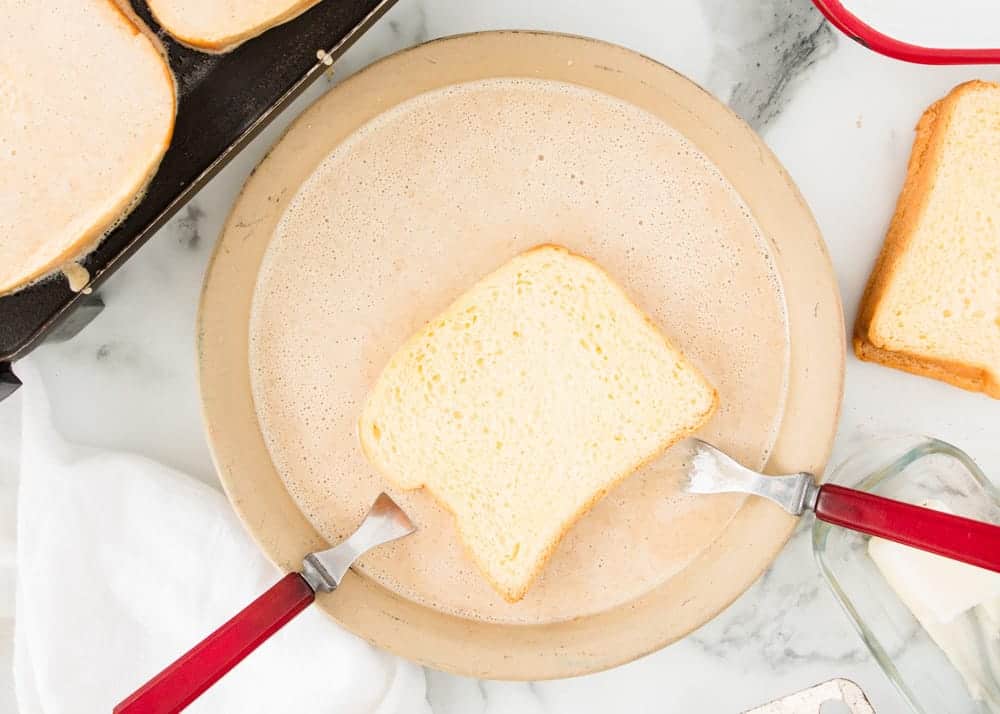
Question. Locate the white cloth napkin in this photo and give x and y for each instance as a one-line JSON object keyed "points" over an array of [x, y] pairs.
{"points": [[123, 564]]}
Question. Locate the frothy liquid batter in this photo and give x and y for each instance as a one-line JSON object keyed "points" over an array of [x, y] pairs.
{"points": [[419, 204]]}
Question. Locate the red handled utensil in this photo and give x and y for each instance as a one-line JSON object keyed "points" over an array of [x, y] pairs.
{"points": [[973, 542], [866, 35], [188, 677]]}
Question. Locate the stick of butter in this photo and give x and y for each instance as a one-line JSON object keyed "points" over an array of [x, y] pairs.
{"points": [[932, 584], [939, 592]]}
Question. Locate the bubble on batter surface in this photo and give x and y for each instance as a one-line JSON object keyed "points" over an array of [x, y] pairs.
{"points": [[417, 205]]}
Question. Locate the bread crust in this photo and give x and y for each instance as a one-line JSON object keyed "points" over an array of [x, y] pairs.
{"points": [[90, 239], [925, 158], [516, 595], [226, 43]]}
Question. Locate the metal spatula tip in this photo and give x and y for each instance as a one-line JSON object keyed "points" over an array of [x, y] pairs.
{"points": [[714, 471], [384, 522], [385, 507], [711, 470], [702, 472]]}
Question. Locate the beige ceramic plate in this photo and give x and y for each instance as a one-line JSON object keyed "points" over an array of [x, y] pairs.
{"points": [[578, 618]]}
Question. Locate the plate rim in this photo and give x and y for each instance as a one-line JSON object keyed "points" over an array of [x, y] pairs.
{"points": [[758, 531]]}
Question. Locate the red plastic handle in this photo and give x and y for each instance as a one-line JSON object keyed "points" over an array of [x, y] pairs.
{"points": [[863, 33], [954, 537], [188, 677]]}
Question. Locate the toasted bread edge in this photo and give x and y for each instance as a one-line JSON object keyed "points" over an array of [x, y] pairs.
{"points": [[226, 43], [868, 345]]}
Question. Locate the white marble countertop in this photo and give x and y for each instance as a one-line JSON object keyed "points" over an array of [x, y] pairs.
{"points": [[839, 117]]}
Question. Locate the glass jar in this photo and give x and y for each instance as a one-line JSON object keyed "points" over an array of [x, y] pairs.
{"points": [[915, 469]]}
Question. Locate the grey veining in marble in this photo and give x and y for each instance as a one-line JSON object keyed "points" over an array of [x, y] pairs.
{"points": [[188, 225], [416, 29], [761, 48], [785, 618]]}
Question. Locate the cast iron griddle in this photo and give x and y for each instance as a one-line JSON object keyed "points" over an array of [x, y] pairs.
{"points": [[223, 102]]}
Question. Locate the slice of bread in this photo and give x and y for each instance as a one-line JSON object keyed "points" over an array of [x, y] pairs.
{"points": [[221, 25], [932, 305], [525, 402], [86, 113]]}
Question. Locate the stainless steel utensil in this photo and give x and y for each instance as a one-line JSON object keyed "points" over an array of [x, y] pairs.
{"points": [[385, 522], [951, 536], [713, 471], [188, 677]]}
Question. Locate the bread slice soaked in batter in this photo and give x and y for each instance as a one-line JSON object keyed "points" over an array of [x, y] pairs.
{"points": [[86, 113], [525, 402], [221, 25]]}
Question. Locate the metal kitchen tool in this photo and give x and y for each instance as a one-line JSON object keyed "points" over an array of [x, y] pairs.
{"points": [[820, 700], [867, 36], [223, 101], [189, 676], [955, 537]]}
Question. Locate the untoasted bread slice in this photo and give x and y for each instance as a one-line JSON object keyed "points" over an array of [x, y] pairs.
{"points": [[221, 25], [524, 402], [86, 113], [932, 305]]}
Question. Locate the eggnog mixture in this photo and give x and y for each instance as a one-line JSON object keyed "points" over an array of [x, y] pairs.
{"points": [[420, 203]]}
